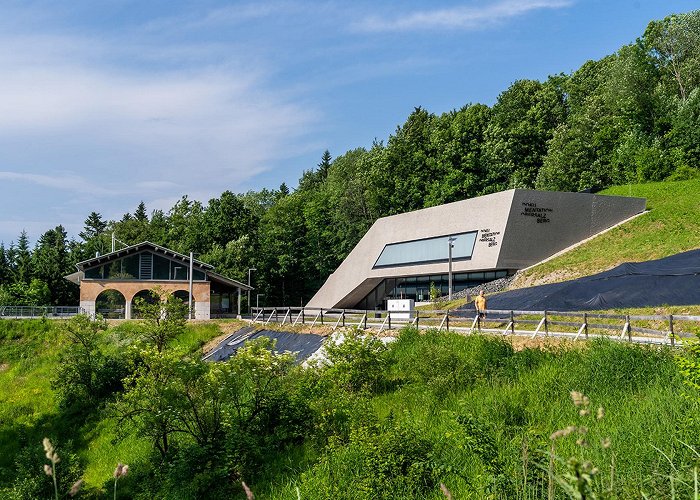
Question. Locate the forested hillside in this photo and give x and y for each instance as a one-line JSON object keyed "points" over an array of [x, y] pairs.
{"points": [[633, 116]]}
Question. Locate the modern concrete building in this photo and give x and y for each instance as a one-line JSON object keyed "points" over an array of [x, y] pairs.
{"points": [[493, 236], [109, 283]]}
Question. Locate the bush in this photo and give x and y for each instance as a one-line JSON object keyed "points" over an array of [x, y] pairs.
{"points": [[379, 462], [30, 480], [447, 362], [357, 362]]}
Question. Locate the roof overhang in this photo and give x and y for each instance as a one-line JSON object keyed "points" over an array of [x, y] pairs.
{"points": [[218, 278], [75, 277]]}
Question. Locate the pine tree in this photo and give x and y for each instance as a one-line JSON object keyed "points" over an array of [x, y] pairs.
{"points": [[140, 213], [5, 270], [325, 164], [94, 226], [50, 263], [23, 260]]}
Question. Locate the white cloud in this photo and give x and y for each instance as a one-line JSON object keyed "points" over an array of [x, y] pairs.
{"points": [[196, 124], [463, 17], [66, 182]]}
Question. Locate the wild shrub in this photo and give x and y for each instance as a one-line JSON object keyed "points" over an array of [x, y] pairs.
{"points": [[31, 481], [379, 462], [356, 362], [337, 412], [447, 362], [162, 320], [85, 375], [479, 438]]}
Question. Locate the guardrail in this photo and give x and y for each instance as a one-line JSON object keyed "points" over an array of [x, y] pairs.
{"points": [[17, 312], [650, 329]]}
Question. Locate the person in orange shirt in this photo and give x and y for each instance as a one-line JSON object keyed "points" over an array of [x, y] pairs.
{"points": [[480, 304]]}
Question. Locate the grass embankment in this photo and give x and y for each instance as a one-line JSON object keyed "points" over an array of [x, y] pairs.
{"points": [[672, 225], [477, 415], [29, 354], [474, 413]]}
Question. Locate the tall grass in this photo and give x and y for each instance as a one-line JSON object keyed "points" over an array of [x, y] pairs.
{"points": [[488, 413], [468, 412]]}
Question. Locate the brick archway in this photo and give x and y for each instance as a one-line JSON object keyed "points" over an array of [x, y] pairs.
{"points": [[90, 289]]}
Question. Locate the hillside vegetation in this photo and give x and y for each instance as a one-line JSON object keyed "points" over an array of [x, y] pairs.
{"points": [[672, 225], [429, 413]]}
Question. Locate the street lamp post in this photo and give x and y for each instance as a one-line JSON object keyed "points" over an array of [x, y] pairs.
{"points": [[189, 299], [450, 246], [250, 308]]}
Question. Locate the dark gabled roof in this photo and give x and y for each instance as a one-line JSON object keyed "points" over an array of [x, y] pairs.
{"points": [[77, 277], [130, 250]]}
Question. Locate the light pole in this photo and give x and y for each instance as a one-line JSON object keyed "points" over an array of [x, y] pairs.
{"points": [[189, 299], [450, 245], [250, 306]]}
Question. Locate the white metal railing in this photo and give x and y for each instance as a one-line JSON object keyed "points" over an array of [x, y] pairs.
{"points": [[658, 329], [40, 311]]}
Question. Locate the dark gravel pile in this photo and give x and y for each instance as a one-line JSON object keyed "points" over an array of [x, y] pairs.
{"points": [[491, 287]]}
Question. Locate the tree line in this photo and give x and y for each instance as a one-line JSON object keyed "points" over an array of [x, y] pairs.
{"points": [[632, 116]]}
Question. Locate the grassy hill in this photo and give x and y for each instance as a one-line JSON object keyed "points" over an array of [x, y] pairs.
{"points": [[671, 225], [29, 410], [472, 413]]}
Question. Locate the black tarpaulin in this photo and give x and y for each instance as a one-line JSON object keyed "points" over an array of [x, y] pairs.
{"points": [[302, 345], [673, 280]]}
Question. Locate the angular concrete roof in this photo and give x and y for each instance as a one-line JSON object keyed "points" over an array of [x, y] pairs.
{"points": [[515, 229]]}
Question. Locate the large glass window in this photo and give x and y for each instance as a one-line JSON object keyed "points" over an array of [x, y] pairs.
{"points": [[427, 250]]}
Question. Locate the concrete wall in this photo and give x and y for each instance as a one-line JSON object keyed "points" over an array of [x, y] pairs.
{"points": [[542, 223], [516, 229]]}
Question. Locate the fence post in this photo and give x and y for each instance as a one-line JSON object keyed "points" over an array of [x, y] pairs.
{"points": [[343, 316], [629, 328], [546, 325], [388, 314], [366, 314], [277, 317], [512, 323], [585, 324], [670, 325], [417, 318], [321, 316], [478, 321], [447, 317], [302, 315]]}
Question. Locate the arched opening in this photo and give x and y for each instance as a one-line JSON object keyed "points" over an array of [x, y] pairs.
{"points": [[141, 299], [184, 296], [111, 304]]}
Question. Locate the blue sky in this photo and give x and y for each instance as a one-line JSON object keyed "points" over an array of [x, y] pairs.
{"points": [[104, 104]]}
